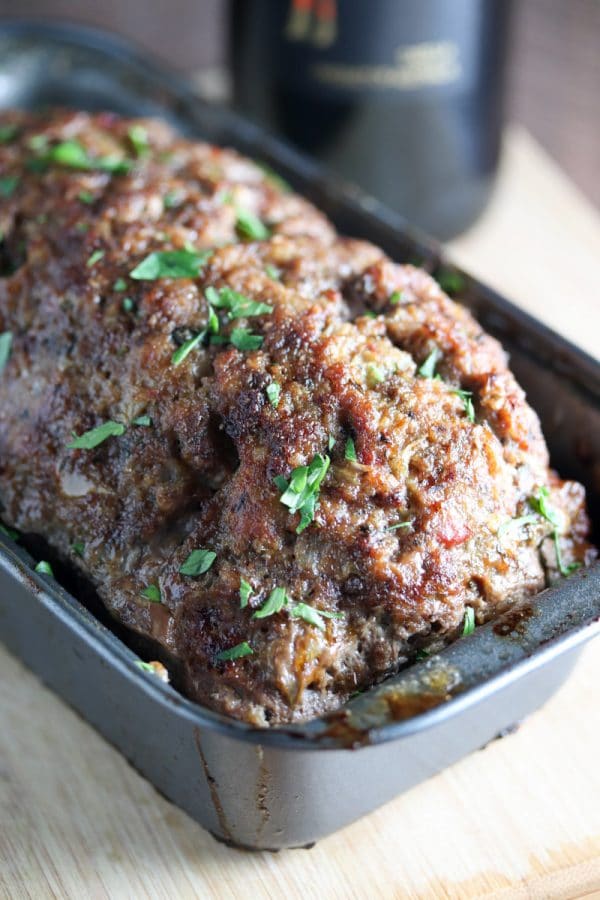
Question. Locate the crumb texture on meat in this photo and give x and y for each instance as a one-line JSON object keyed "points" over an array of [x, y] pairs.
{"points": [[280, 362]]}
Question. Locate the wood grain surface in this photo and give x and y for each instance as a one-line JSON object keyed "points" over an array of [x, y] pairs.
{"points": [[518, 819]]}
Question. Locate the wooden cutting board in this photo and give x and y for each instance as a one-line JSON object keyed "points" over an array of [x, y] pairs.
{"points": [[518, 819]]}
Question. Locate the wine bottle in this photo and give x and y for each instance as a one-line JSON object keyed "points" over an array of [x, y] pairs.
{"points": [[403, 97]]}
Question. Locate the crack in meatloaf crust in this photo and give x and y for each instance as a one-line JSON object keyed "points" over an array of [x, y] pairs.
{"points": [[428, 491]]}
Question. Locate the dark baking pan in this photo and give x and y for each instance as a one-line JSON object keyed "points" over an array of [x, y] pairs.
{"points": [[290, 786]]}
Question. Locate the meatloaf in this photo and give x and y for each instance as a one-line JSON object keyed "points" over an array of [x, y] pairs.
{"points": [[290, 462]]}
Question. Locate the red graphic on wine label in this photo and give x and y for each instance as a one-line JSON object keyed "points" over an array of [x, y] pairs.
{"points": [[313, 21]]}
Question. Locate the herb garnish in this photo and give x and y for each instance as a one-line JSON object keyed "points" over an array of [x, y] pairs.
{"points": [[467, 399], [237, 652], [152, 593], [395, 298], [427, 369], [243, 339], [86, 197], [5, 348], [73, 155], [198, 562], [331, 441], [251, 227], [375, 374], [44, 568], [95, 436], [245, 592], [144, 666], [94, 258], [278, 599], [301, 493], [127, 305], [120, 284], [273, 272], [273, 392], [180, 354], [171, 264], [350, 451], [539, 503], [469, 624], [237, 305], [398, 525], [144, 421], [78, 548], [274, 603], [8, 185], [313, 616], [170, 201], [138, 136], [518, 522], [450, 282]]}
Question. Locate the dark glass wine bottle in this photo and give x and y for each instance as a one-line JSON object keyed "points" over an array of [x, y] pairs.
{"points": [[404, 97]]}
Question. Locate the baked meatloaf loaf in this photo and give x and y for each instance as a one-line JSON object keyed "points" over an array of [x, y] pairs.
{"points": [[289, 461]]}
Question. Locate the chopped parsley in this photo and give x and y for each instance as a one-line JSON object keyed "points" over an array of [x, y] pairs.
{"points": [[78, 548], [427, 369], [95, 436], [170, 201], [120, 285], [180, 354], [85, 197], [421, 654], [144, 666], [145, 421], [171, 264], [8, 185], [7, 133], [451, 282], [375, 375], [313, 616], [301, 493], [198, 562], [127, 305], [350, 451], [331, 441], [274, 179], [395, 298], [5, 348], [273, 392], [152, 593], [518, 522], [44, 568], [237, 305], [213, 321], [138, 136], [539, 503], [251, 227], [467, 399], [274, 603], [398, 525], [73, 155], [245, 593], [94, 258], [469, 623], [273, 272], [237, 652], [9, 532], [244, 339]]}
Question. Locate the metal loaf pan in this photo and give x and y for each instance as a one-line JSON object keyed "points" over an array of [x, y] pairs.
{"points": [[290, 786]]}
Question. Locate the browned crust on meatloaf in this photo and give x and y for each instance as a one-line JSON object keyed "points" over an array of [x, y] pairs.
{"points": [[203, 474]]}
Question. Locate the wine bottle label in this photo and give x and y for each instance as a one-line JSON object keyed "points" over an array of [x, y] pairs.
{"points": [[343, 48]]}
